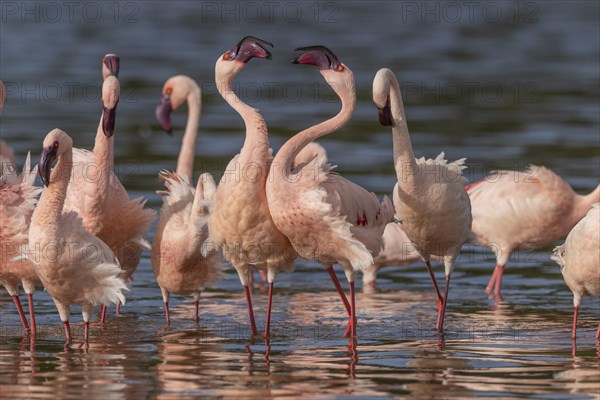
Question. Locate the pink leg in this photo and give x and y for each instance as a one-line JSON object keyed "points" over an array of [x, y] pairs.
{"points": [[67, 331], [21, 314], [86, 331], [492, 282], [336, 283], [103, 308], [251, 279], [435, 285], [574, 331], [118, 309], [442, 313], [197, 311], [598, 334], [167, 315], [353, 309], [31, 312], [268, 325], [263, 275], [250, 310], [499, 280]]}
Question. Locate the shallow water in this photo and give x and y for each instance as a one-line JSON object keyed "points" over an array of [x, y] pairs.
{"points": [[503, 92]]}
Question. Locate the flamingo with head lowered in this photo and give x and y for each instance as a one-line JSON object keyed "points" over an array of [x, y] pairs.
{"points": [[429, 198], [96, 193], [327, 218], [240, 223], [523, 210], [177, 261], [75, 266]]}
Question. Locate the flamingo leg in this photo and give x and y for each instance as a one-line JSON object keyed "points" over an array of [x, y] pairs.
{"points": [[442, 313], [21, 314], [103, 308], [268, 324], [353, 310], [499, 280], [67, 331], [338, 287], [197, 310], [118, 309], [250, 310], [167, 315], [574, 330], [598, 334], [86, 331], [492, 283], [251, 279], [435, 285], [31, 312]]}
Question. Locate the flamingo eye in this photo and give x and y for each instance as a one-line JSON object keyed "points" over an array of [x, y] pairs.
{"points": [[169, 90], [55, 144], [340, 68], [226, 56]]}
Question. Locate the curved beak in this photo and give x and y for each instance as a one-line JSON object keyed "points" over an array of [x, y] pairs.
{"points": [[163, 113], [385, 114], [252, 47], [112, 62], [45, 164], [108, 120]]}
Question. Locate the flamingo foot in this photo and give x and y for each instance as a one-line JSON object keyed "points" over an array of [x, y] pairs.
{"points": [[31, 312], [268, 324], [21, 314], [250, 310]]}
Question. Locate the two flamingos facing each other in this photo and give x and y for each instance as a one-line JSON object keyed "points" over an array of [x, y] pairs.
{"points": [[579, 260], [430, 199], [177, 261], [327, 218]]}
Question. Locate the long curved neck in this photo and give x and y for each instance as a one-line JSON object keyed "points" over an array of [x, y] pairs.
{"points": [[288, 152], [256, 128], [583, 203], [104, 158], [185, 161], [52, 200], [404, 158]]}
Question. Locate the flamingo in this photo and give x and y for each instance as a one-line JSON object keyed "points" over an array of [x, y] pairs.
{"points": [[523, 210], [75, 266], [177, 262], [327, 218], [18, 197], [240, 223], [98, 196], [429, 198], [397, 250], [579, 261]]}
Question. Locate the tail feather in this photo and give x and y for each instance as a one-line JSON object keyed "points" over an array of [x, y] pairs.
{"points": [[108, 287]]}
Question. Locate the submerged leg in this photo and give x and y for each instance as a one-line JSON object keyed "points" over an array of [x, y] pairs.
{"points": [[31, 311], [21, 313]]}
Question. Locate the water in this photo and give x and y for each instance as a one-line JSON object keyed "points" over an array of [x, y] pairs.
{"points": [[502, 90]]}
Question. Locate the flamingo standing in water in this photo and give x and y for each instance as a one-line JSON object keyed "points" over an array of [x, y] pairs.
{"points": [[429, 198], [177, 262], [523, 210], [579, 260], [327, 218], [18, 197], [75, 266], [240, 223], [98, 196]]}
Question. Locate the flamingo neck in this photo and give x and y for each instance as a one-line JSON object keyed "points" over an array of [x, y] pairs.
{"points": [[52, 200], [256, 144], [185, 161], [288, 152], [583, 203]]}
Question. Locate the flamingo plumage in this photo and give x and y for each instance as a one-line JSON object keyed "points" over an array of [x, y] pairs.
{"points": [[579, 260], [523, 210], [75, 266], [429, 198], [327, 218], [97, 195], [177, 261], [240, 223]]}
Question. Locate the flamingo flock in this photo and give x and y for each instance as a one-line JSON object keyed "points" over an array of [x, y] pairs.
{"points": [[83, 239]]}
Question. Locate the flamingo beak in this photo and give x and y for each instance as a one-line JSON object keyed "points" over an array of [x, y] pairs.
{"points": [[385, 114], [112, 62], [251, 47], [163, 113], [45, 164], [108, 120]]}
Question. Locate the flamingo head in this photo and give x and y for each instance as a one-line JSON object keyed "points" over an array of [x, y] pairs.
{"points": [[55, 144], [381, 96], [176, 91], [111, 91], [110, 65], [248, 48]]}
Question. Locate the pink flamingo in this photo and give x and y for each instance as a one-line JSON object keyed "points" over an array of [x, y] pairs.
{"points": [[579, 261], [523, 210], [177, 262], [98, 196], [240, 223], [429, 198], [18, 197], [327, 218], [75, 266]]}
